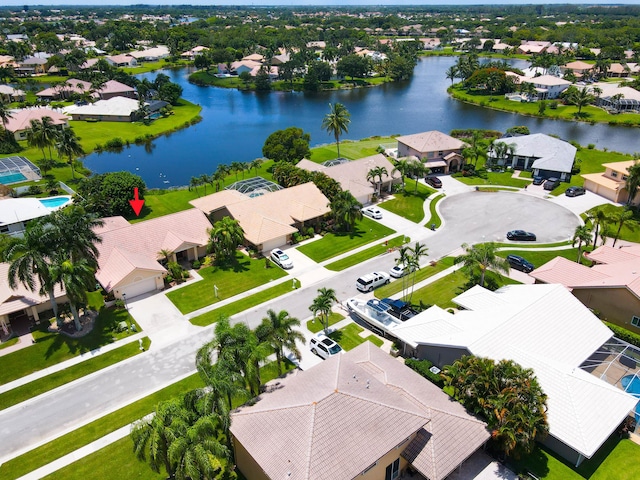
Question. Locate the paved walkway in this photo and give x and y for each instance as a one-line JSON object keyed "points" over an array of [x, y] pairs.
{"points": [[24, 341]]}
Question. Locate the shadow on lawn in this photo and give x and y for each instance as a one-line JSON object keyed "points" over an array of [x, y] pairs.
{"points": [[351, 234], [239, 263]]}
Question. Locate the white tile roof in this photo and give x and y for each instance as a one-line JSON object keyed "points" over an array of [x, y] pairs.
{"points": [[550, 153], [21, 119], [543, 327], [115, 106], [338, 418], [14, 210]]}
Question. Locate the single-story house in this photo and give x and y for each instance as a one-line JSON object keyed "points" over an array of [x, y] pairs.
{"points": [[612, 183], [352, 175], [116, 109], [616, 97], [245, 66], [9, 94], [611, 286], [254, 57], [21, 307], [579, 68], [623, 69], [544, 155], [113, 88], [358, 415], [15, 213], [129, 254], [71, 86], [20, 121], [268, 220], [150, 54], [122, 60], [89, 64], [194, 52], [542, 327], [440, 152]]}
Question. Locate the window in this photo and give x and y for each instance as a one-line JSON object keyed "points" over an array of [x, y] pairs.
{"points": [[4, 229], [614, 174], [440, 153], [624, 177], [635, 321], [393, 470]]}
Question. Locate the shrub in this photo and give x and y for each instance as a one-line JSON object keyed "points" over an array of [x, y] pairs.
{"points": [[195, 264], [553, 104], [207, 261], [310, 232], [119, 303], [624, 334], [422, 367], [34, 190], [591, 146], [114, 144], [168, 279]]}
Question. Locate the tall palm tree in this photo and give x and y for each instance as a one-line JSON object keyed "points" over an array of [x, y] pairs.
{"points": [[282, 334], [621, 218], [76, 278], [580, 97], [402, 165], [405, 259], [5, 115], [237, 167], [582, 235], [194, 183], [599, 218], [35, 136], [49, 133], [346, 209], [204, 180], [224, 238], [336, 122], [255, 164], [452, 73], [418, 251], [322, 304], [482, 257], [73, 231], [68, 145], [377, 173], [633, 181], [218, 178]]}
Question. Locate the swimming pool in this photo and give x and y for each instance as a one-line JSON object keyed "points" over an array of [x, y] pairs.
{"points": [[631, 384], [55, 202], [7, 178], [155, 116]]}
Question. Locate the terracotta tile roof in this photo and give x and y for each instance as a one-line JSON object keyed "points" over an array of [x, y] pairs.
{"points": [[20, 119], [215, 201], [578, 65], [606, 254], [112, 86], [340, 417], [432, 141], [564, 271]]}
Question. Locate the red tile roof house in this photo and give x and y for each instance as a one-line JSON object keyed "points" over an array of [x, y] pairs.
{"points": [[112, 88], [65, 90], [122, 60], [611, 286], [440, 152], [362, 414], [128, 261], [20, 120]]}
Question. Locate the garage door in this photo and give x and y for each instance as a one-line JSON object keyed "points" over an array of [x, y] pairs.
{"points": [[138, 288]]}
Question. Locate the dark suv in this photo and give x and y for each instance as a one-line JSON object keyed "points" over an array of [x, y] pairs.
{"points": [[551, 183], [520, 263], [435, 182]]}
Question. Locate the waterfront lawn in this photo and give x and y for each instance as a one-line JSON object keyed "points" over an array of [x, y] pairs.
{"points": [[315, 325], [349, 337], [240, 274], [244, 303], [332, 244], [630, 230], [350, 149], [367, 254], [409, 203], [425, 272], [52, 348], [54, 380], [146, 67]]}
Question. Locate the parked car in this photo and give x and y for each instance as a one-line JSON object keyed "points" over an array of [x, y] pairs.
{"points": [[372, 280], [575, 191], [281, 258], [538, 180], [324, 347], [373, 212], [551, 183], [520, 263], [521, 235], [435, 182], [398, 271]]}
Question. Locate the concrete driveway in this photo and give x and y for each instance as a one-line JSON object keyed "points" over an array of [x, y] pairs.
{"points": [[581, 203]]}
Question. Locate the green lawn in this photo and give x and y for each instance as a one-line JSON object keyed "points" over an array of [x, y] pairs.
{"points": [[231, 278], [52, 348], [630, 230], [434, 218], [145, 67], [367, 254], [491, 178], [422, 274], [54, 380], [350, 149], [332, 244], [315, 325], [244, 303], [349, 337], [539, 258], [409, 203]]}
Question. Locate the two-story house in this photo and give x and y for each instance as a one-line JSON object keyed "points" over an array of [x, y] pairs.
{"points": [[440, 152], [612, 183]]}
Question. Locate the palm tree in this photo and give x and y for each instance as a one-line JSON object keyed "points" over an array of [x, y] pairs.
{"points": [[403, 166], [218, 178], [405, 259], [237, 167], [69, 146], [5, 115], [416, 253], [76, 277], [346, 209], [255, 164], [377, 172], [322, 304], [599, 217], [281, 334], [632, 182], [580, 98], [336, 122], [452, 73], [166, 253], [204, 180], [49, 133], [73, 232], [224, 238], [35, 136], [482, 257], [582, 235], [621, 218], [194, 183]]}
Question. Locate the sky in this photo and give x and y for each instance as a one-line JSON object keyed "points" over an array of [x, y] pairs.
{"points": [[312, 2]]}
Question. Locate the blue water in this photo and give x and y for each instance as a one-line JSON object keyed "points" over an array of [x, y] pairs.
{"points": [[9, 178], [154, 116], [631, 384], [54, 202]]}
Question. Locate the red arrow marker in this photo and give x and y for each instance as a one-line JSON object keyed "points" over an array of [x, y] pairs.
{"points": [[136, 203]]}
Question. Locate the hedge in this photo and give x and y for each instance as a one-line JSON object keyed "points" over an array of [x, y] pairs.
{"points": [[422, 367]]}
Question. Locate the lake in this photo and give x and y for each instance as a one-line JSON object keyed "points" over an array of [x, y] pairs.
{"points": [[235, 124]]}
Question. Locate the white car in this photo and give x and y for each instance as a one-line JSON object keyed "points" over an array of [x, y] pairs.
{"points": [[373, 212], [324, 347], [281, 258], [372, 280], [398, 271]]}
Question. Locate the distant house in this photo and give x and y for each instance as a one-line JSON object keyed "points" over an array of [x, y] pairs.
{"points": [[113, 88], [578, 68], [31, 66], [122, 60], [89, 64], [352, 175], [115, 109], [150, 54], [544, 155], [71, 86], [623, 69], [9, 94], [359, 415], [194, 52], [245, 66], [533, 46], [20, 121], [440, 152], [268, 220], [531, 325], [612, 183], [548, 86], [129, 254], [611, 286], [616, 97]]}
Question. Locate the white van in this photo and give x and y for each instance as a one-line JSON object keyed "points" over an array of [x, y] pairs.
{"points": [[368, 282]]}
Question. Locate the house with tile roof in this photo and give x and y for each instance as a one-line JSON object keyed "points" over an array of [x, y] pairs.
{"points": [[542, 154], [578, 68], [113, 88], [122, 60], [115, 109], [71, 86], [440, 152], [610, 287], [612, 184], [352, 175], [542, 327], [358, 415], [270, 219], [129, 254], [547, 86], [20, 120]]}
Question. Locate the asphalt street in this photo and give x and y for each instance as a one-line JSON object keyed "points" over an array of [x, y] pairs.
{"points": [[469, 218]]}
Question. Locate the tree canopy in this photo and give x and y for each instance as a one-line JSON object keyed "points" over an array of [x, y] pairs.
{"points": [[288, 145], [108, 194]]}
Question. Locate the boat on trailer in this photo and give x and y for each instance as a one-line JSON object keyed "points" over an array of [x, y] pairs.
{"points": [[381, 315]]}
